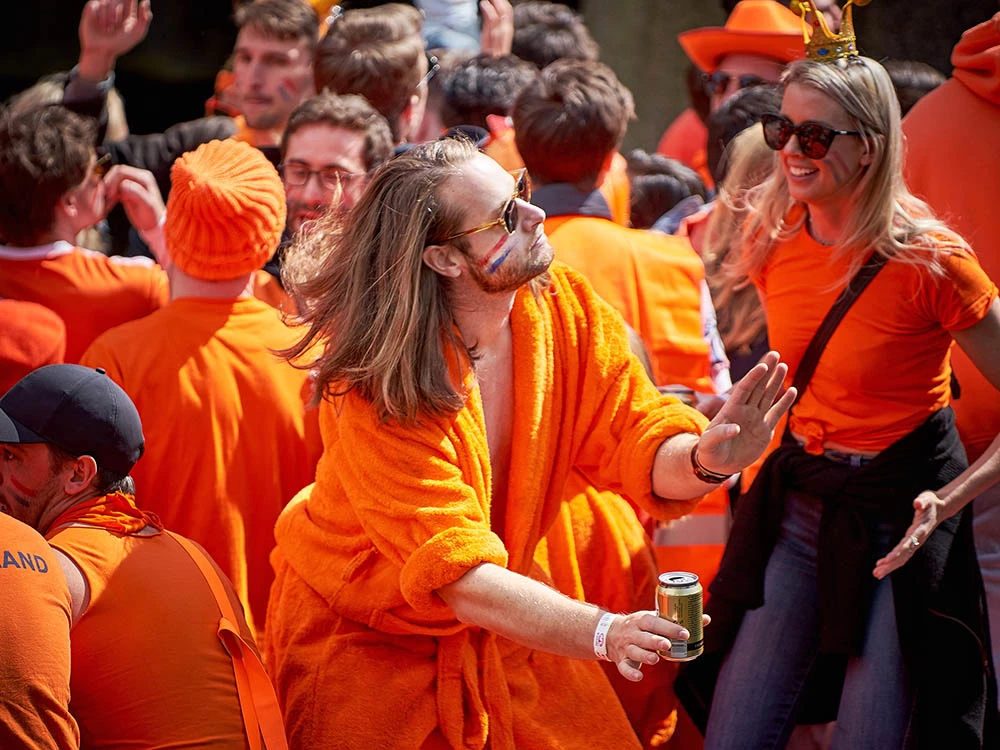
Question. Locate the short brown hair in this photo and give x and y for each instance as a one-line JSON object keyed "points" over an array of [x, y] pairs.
{"points": [[569, 119], [545, 32], [350, 112], [286, 20], [375, 52], [43, 153]]}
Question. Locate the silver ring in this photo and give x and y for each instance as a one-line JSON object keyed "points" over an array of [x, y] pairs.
{"points": [[914, 542]]}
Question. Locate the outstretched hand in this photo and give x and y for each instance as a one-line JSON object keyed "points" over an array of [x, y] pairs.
{"points": [[497, 35], [742, 429], [109, 29], [928, 513]]}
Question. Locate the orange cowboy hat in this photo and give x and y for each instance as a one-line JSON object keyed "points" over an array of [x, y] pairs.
{"points": [[757, 27]]}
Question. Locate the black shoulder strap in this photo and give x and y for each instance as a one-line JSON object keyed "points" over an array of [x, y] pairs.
{"points": [[851, 292]]}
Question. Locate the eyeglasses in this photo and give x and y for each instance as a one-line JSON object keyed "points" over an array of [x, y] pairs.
{"points": [[101, 166], [814, 138], [508, 217], [331, 178], [718, 82]]}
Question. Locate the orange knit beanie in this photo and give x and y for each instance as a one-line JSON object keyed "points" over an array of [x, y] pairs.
{"points": [[226, 211]]}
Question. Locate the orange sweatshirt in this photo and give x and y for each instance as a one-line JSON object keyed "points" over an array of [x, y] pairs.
{"points": [[653, 280], [89, 291], [397, 512], [229, 440], [34, 644], [952, 163], [148, 667], [32, 336]]}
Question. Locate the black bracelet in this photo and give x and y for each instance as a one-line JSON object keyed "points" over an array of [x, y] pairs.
{"points": [[705, 475]]}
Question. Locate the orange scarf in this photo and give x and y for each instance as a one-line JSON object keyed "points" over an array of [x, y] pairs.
{"points": [[116, 513]]}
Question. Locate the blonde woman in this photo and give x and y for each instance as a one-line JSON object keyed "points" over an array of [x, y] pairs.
{"points": [[899, 661]]}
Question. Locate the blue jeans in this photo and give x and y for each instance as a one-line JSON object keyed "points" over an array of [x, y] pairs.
{"points": [[756, 697]]}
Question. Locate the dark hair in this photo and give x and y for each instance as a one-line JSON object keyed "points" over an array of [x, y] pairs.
{"points": [[106, 482], [44, 152], [736, 114], [657, 185], [569, 119], [912, 80], [350, 112], [545, 32], [481, 86], [374, 52], [287, 20]]}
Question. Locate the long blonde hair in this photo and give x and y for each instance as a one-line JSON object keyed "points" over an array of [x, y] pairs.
{"points": [[741, 319], [886, 217]]}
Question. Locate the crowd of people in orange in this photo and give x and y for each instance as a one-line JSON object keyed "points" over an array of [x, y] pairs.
{"points": [[368, 410]]}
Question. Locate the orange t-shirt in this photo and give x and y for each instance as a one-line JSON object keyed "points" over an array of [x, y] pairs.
{"points": [[32, 336], [886, 368], [229, 440], [89, 291], [34, 644], [653, 280], [684, 140], [148, 667]]}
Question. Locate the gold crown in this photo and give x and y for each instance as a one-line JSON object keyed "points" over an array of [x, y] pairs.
{"points": [[824, 45]]}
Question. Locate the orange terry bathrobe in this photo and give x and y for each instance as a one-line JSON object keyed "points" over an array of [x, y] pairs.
{"points": [[363, 651]]}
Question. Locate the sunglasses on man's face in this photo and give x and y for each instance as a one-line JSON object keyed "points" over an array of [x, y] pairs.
{"points": [[718, 82], [508, 217], [814, 138]]}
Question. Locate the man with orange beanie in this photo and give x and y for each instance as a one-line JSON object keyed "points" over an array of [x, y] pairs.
{"points": [[951, 162], [230, 438], [759, 38], [161, 655]]}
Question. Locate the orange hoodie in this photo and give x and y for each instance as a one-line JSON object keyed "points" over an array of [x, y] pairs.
{"points": [[951, 163]]}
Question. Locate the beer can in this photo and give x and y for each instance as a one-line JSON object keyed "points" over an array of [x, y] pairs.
{"points": [[678, 599]]}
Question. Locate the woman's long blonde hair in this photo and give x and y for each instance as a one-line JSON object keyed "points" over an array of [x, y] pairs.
{"points": [[886, 217], [740, 316]]}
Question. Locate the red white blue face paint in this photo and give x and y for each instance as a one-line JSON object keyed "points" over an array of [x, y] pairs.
{"points": [[506, 245]]}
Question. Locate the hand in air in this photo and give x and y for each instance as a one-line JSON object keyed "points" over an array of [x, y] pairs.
{"points": [[743, 427]]}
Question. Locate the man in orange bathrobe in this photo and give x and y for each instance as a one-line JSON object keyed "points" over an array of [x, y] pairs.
{"points": [[463, 380]]}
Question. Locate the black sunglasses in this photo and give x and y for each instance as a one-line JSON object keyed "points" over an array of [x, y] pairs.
{"points": [[718, 82], [522, 190], [814, 138]]}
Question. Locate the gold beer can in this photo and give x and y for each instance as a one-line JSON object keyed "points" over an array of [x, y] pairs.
{"points": [[678, 599]]}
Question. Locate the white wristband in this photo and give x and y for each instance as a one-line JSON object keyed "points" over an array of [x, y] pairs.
{"points": [[601, 635]]}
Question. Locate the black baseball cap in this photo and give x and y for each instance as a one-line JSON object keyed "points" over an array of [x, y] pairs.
{"points": [[80, 410]]}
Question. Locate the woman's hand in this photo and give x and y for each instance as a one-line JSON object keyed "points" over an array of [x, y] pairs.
{"points": [[928, 513]]}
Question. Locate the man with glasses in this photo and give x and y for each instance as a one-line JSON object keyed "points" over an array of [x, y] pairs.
{"points": [[759, 38], [54, 186], [461, 380]]}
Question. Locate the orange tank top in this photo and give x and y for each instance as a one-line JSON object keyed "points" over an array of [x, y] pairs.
{"points": [[148, 667]]}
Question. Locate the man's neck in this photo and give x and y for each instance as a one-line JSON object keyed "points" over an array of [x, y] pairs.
{"points": [[183, 285], [483, 319], [60, 506]]}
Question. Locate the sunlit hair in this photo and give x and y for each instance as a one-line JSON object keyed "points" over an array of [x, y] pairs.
{"points": [[885, 216], [285, 20], [740, 317], [381, 316], [44, 153]]}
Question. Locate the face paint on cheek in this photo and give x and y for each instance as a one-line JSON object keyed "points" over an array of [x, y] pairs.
{"points": [[839, 168], [506, 245], [288, 90], [26, 492]]}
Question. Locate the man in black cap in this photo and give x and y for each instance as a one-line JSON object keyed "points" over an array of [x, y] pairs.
{"points": [[154, 622]]}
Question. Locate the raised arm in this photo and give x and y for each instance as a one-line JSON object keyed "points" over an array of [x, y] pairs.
{"points": [[734, 439]]}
